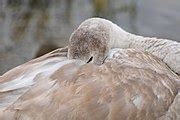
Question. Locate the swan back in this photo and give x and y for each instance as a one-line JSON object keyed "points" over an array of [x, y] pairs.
{"points": [[129, 85]]}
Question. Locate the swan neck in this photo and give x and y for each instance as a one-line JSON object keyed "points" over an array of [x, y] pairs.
{"points": [[120, 38]]}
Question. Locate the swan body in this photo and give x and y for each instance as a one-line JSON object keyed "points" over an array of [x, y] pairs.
{"points": [[130, 85], [96, 36]]}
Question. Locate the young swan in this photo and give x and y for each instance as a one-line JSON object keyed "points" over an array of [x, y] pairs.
{"points": [[96, 36]]}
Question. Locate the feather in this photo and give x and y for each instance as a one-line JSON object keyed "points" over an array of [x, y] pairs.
{"points": [[131, 84]]}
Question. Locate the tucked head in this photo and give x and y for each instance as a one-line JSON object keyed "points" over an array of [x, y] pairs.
{"points": [[88, 45]]}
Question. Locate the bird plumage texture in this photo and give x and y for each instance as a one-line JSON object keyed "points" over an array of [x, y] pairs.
{"points": [[131, 84], [96, 36]]}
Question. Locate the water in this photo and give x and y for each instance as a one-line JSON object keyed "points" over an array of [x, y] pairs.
{"points": [[29, 28]]}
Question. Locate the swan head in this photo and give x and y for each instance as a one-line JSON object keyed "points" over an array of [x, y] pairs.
{"points": [[88, 46]]}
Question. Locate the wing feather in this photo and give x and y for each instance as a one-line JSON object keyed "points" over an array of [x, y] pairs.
{"points": [[129, 85]]}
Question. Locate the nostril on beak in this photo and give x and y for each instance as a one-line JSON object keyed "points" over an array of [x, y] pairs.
{"points": [[90, 59]]}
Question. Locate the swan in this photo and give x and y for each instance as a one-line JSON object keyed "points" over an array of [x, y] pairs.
{"points": [[130, 84], [96, 36]]}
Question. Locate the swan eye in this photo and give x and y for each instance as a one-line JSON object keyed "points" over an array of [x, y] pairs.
{"points": [[90, 59]]}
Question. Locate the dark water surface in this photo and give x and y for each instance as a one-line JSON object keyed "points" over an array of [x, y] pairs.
{"points": [[29, 28]]}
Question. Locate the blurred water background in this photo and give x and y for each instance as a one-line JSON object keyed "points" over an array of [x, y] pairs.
{"points": [[30, 28]]}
